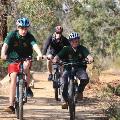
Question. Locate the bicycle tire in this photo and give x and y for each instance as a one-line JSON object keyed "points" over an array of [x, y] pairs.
{"points": [[17, 101], [21, 99], [76, 90], [17, 109], [71, 100], [55, 82]]}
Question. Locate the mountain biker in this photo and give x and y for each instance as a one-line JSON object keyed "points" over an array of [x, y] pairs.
{"points": [[19, 44], [74, 53], [55, 43]]}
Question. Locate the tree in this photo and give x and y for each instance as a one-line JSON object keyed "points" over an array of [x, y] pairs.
{"points": [[3, 20]]}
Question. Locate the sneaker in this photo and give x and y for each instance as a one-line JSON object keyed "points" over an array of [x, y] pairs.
{"points": [[65, 105], [50, 77], [29, 92], [10, 109]]}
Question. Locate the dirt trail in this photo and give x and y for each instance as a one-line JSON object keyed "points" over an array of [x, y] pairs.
{"points": [[43, 106]]}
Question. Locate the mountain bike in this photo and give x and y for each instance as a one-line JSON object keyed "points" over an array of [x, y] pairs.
{"points": [[57, 70], [21, 88], [56, 79], [72, 87]]}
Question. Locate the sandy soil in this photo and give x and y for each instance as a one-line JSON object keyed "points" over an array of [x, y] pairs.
{"points": [[44, 107]]}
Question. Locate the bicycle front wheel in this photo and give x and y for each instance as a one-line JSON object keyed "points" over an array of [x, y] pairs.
{"points": [[71, 100], [17, 101], [17, 109], [21, 99], [72, 110]]}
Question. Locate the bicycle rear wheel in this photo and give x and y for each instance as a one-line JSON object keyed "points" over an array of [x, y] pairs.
{"points": [[71, 100], [56, 93], [21, 99], [55, 86]]}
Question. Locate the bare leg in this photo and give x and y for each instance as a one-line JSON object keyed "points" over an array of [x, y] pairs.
{"points": [[27, 70], [49, 66], [12, 88]]}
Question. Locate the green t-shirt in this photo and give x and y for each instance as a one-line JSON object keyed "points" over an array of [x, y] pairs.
{"points": [[68, 54], [19, 46]]}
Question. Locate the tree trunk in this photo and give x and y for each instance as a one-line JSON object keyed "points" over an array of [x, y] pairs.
{"points": [[4, 19]]}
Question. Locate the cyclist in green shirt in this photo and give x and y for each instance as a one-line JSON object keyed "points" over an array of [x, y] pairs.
{"points": [[74, 53], [19, 44]]}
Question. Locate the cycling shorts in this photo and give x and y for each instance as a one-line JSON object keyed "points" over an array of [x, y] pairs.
{"points": [[15, 67]]}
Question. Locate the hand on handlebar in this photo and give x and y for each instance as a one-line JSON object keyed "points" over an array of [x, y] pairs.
{"points": [[56, 59], [44, 57], [89, 59]]}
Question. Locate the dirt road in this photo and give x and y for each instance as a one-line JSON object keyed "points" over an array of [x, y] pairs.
{"points": [[43, 106]]}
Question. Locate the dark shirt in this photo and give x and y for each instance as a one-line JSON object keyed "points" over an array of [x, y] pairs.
{"points": [[55, 45], [68, 54], [19, 46]]}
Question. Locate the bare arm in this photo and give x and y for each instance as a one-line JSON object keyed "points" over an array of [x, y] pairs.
{"points": [[37, 50], [3, 51], [46, 45]]}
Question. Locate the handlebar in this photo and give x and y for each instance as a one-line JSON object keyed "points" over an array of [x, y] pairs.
{"points": [[84, 62], [19, 59]]}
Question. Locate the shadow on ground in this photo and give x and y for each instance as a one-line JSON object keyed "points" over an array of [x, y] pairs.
{"points": [[40, 108]]}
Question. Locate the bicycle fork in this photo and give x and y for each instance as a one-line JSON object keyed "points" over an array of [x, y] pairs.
{"points": [[21, 96]]}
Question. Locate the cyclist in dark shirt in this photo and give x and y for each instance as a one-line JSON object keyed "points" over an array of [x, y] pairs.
{"points": [[75, 53], [53, 45], [19, 44]]}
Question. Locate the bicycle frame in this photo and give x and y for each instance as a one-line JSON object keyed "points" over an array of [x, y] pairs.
{"points": [[56, 79], [72, 88], [71, 93], [21, 91], [21, 80]]}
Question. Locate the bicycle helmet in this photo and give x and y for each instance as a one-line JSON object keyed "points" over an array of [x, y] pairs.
{"points": [[73, 36], [58, 29], [23, 22]]}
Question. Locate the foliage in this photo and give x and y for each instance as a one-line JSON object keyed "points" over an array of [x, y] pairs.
{"points": [[3, 69], [41, 15], [98, 24], [115, 90], [97, 21], [113, 112]]}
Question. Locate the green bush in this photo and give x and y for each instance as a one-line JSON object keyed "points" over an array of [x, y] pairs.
{"points": [[113, 112]]}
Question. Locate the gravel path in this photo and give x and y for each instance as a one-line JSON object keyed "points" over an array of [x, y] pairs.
{"points": [[43, 106]]}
